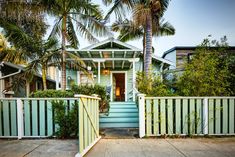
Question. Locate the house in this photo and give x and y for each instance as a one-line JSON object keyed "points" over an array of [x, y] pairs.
{"points": [[180, 55], [114, 64], [12, 85]]}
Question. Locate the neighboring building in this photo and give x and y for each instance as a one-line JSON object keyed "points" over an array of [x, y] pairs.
{"points": [[8, 74], [113, 64], [183, 54]]}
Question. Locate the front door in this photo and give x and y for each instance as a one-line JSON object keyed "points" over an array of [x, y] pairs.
{"points": [[119, 87]]}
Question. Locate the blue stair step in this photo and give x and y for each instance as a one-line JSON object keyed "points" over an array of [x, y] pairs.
{"points": [[119, 125], [121, 114]]}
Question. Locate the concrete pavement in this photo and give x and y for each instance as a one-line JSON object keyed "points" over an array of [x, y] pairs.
{"points": [[38, 148], [203, 147], [152, 147]]}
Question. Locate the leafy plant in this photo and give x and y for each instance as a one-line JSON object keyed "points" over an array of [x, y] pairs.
{"points": [[158, 88], [66, 118], [207, 74]]}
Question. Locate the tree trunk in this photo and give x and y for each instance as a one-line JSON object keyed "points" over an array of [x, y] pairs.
{"points": [[144, 46], [63, 64], [148, 52], [44, 77]]}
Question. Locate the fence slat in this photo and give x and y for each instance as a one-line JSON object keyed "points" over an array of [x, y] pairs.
{"points": [[217, 116], [1, 134], [27, 118], [6, 116], [34, 118], [192, 113], [225, 116], [231, 116], [185, 116], [163, 116], [148, 117], [13, 118], [177, 116], [49, 119], [93, 118], [155, 117], [81, 125], [170, 116], [85, 124], [198, 120], [42, 117], [211, 116]]}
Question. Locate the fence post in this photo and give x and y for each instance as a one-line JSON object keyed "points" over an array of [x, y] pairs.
{"points": [[205, 116], [141, 101], [20, 120]]}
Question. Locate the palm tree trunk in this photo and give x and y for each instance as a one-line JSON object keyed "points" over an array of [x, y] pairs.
{"points": [[44, 77], [144, 46], [148, 53], [63, 64]]}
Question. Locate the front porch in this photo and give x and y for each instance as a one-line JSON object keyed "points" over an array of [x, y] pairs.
{"points": [[112, 64]]}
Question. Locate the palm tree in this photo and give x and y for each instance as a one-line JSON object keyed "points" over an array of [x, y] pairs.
{"points": [[145, 14], [83, 15], [128, 31]]}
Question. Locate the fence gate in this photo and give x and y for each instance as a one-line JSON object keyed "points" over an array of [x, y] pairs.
{"points": [[34, 118]]}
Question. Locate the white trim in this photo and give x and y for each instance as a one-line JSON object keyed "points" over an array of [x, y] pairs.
{"points": [[163, 60], [108, 59], [20, 119], [110, 40], [88, 148], [111, 83], [141, 100]]}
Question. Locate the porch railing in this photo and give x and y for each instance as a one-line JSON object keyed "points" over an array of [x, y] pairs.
{"points": [[186, 116], [34, 117]]}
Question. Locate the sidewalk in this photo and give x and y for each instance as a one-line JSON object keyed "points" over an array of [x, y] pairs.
{"points": [[38, 148], [203, 147]]}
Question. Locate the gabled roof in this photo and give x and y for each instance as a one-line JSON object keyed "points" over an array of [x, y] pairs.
{"points": [[111, 40]]}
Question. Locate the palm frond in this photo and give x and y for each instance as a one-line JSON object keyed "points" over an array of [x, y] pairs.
{"points": [[72, 37]]}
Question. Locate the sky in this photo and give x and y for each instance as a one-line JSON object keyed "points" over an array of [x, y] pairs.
{"points": [[193, 20]]}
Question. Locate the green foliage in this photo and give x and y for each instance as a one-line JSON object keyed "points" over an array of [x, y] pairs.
{"points": [[76, 89], [51, 93], [67, 119], [89, 90], [151, 85], [207, 73]]}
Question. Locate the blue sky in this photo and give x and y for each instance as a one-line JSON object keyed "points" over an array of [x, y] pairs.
{"points": [[193, 20]]}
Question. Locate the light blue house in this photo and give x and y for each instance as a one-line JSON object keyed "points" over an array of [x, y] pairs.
{"points": [[114, 64]]}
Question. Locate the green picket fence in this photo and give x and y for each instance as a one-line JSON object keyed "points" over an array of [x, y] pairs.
{"points": [[187, 116], [34, 117]]}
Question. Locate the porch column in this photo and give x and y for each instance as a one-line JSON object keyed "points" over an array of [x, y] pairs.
{"points": [[133, 79], [98, 72]]}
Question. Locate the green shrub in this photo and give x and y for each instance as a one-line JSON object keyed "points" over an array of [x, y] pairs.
{"points": [[52, 94], [93, 89], [67, 119], [151, 85]]}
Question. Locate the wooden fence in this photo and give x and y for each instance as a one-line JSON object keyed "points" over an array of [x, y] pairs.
{"points": [[186, 116], [34, 117]]}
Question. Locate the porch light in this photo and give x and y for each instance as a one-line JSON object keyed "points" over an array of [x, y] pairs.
{"points": [[117, 91], [105, 72], [89, 68]]}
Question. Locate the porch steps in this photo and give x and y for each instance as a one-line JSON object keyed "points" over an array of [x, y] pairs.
{"points": [[121, 115]]}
